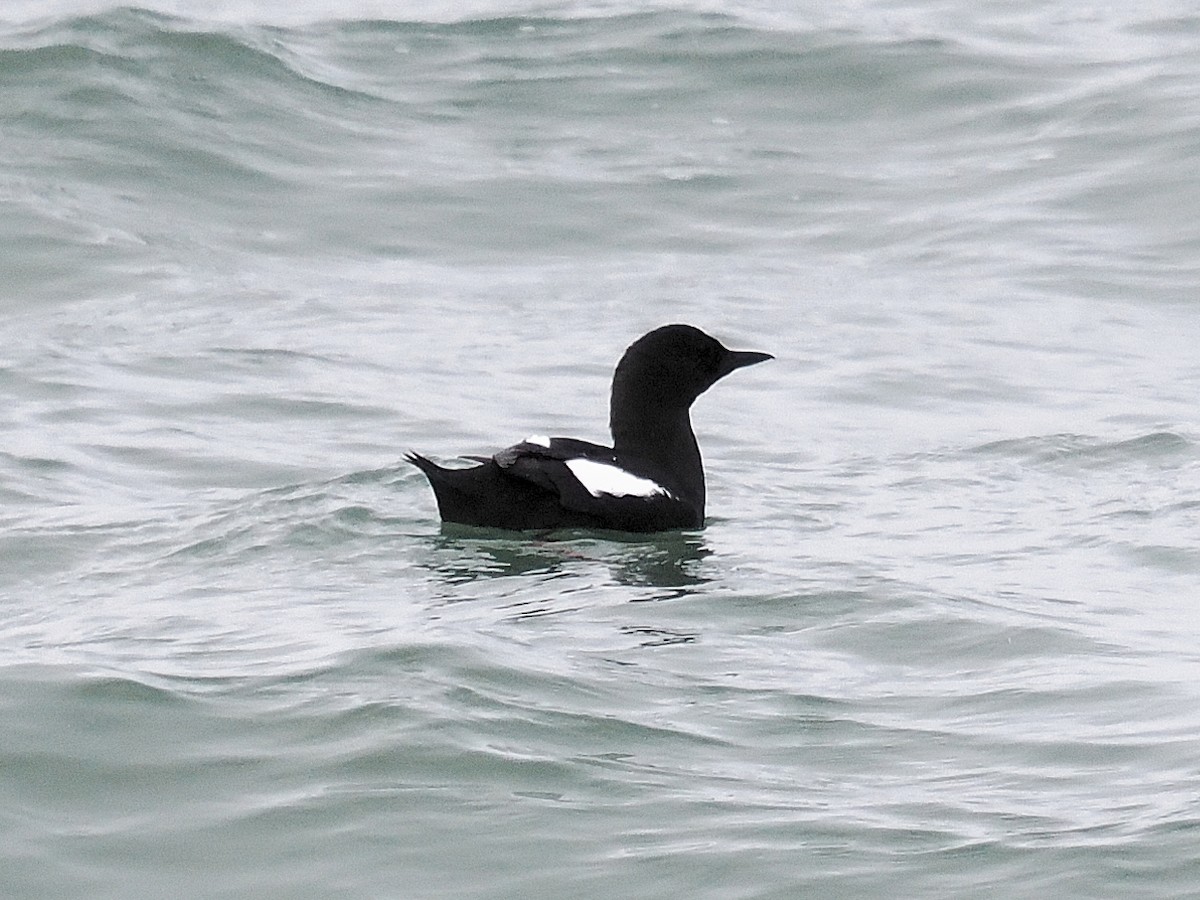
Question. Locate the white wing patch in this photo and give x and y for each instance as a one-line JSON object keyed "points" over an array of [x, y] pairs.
{"points": [[605, 478], [540, 439]]}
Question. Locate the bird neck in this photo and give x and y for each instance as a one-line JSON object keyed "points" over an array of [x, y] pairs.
{"points": [[662, 437]]}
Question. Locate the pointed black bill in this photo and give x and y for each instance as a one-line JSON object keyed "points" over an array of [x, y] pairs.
{"points": [[737, 359]]}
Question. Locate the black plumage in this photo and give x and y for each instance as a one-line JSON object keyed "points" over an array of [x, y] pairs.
{"points": [[651, 479]]}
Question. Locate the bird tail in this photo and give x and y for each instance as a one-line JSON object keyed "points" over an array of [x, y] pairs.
{"points": [[426, 465]]}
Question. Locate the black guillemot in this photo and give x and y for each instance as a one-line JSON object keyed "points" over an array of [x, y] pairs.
{"points": [[651, 479]]}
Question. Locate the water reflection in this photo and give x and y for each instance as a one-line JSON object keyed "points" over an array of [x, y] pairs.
{"points": [[671, 561]]}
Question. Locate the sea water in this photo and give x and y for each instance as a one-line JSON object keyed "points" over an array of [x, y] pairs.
{"points": [[939, 637]]}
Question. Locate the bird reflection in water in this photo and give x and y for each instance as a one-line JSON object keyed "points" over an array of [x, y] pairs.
{"points": [[672, 561]]}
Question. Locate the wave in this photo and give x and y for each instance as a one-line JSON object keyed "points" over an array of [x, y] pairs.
{"points": [[564, 129], [1086, 451]]}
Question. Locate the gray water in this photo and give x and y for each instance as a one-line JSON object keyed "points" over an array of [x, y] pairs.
{"points": [[939, 637]]}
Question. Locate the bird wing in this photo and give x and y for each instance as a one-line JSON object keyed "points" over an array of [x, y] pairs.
{"points": [[587, 478], [544, 463]]}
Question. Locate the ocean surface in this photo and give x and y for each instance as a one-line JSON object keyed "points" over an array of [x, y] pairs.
{"points": [[941, 635]]}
